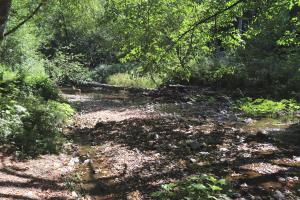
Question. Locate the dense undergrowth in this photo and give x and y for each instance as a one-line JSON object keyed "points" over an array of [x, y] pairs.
{"points": [[32, 114]]}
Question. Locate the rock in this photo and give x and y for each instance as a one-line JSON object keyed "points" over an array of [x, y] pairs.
{"points": [[244, 185], [204, 153], [224, 149], [74, 194], [281, 179], [248, 120], [195, 146], [73, 161], [193, 160], [278, 195], [297, 159], [236, 195], [87, 161]]}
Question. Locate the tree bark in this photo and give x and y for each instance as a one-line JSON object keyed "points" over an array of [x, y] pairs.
{"points": [[5, 6]]}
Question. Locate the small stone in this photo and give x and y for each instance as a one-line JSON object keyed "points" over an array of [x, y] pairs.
{"points": [[223, 149], [195, 146], [278, 195], [248, 120], [193, 160], [297, 159], [281, 179], [236, 195], [73, 161], [204, 153], [244, 185], [74, 194], [87, 161]]}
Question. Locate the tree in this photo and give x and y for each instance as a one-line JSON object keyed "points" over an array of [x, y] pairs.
{"points": [[5, 6]]}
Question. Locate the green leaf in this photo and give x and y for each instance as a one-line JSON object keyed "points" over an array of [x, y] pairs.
{"points": [[169, 187], [199, 186], [215, 188]]}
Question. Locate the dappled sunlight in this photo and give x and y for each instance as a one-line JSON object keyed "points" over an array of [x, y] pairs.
{"points": [[135, 149], [26, 180]]}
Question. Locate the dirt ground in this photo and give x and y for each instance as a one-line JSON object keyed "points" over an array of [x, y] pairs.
{"points": [[124, 145], [34, 179], [131, 143]]}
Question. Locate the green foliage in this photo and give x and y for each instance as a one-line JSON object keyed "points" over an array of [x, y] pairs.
{"points": [[102, 72], [43, 86], [194, 188], [130, 80], [267, 108], [30, 123], [64, 68]]}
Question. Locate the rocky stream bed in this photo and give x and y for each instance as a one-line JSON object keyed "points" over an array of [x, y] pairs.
{"points": [[127, 143]]}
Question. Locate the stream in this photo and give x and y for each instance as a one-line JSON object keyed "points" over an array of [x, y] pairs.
{"points": [[128, 143]]}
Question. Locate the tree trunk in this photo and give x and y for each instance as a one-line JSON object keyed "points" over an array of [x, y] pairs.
{"points": [[5, 6]]}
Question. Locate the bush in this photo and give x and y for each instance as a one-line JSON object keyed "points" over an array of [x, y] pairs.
{"points": [[64, 69], [102, 72], [43, 86], [128, 80], [193, 188], [267, 108], [31, 123]]}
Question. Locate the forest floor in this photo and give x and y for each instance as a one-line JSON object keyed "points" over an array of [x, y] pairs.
{"points": [[124, 144], [130, 142]]}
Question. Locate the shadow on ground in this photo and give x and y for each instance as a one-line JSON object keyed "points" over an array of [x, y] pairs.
{"points": [[172, 147]]}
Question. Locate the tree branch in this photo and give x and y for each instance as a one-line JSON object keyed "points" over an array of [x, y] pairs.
{"points": [[14, 29], [198, 23]]}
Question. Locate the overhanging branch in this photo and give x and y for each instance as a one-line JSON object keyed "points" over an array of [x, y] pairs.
{"points": [[14, 29], [198, 23]]}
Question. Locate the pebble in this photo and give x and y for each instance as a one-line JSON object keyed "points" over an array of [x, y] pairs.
{"points": [[236, 195], [74, 194], [73, 161], [297, 159], [87, 161], [281, 179], [278, 195], [204, 153], [248, 120]]}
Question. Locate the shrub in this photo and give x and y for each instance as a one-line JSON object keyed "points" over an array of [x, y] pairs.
{"points": [[64, 69], [30, 123], [128, 80], [102, 72], [193, 188], [267, 108], [43, 86]]}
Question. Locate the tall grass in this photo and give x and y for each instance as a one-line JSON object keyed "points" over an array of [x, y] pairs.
{"points": [[128, 80]]}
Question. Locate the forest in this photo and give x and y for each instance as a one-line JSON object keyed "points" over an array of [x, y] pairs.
{"points": [[150, 99]]}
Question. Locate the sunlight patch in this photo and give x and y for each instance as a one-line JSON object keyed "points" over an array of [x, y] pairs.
{"points": [[264, 168]]}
